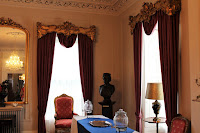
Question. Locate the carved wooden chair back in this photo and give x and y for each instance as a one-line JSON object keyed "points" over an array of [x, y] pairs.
{"points": [[179, 124], [63, 106]]}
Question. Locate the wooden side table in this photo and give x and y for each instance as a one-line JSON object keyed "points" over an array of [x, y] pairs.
{"points": [[150, 120]]}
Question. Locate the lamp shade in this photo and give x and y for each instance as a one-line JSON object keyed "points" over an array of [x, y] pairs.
{"points": [[154, 91]]}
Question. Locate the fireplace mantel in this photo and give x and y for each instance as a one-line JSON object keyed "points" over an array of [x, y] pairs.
{"points": [[11, 108], [10, 116]]}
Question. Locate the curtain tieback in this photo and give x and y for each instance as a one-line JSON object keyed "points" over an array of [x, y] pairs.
{"points": [[138, 116], [168, 121]]}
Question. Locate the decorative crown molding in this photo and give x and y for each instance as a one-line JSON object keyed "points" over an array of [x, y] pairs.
{"points": [[149, 9], [112, 7], [67, 29]]}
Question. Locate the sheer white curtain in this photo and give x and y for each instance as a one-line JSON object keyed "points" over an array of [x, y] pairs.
{"points": [[151, 73], [65, 80]]}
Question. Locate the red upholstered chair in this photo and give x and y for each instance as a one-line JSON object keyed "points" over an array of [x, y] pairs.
{"points": [[64, 113], [179, 124]]}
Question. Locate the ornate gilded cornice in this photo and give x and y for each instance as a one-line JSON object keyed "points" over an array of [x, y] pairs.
{"points": [[170, 7], [67, 29]]}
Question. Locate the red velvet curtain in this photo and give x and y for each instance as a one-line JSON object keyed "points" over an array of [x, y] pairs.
{"points": [[137, 48], [67, 41], [45, 52], [168, 28], [86, 65], [149, 26], [85, 60], [137, 37]]}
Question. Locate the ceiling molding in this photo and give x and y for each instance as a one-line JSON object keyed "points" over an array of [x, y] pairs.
{"points": [[108, 7]]}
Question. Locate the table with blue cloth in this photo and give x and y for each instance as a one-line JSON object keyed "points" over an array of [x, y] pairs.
{"points": [[85, 127]]}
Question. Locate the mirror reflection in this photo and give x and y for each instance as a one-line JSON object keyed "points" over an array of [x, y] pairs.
{"points": [[12, 62]]}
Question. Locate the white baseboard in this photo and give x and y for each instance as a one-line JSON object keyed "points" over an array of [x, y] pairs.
{"points": [[29, 131]]}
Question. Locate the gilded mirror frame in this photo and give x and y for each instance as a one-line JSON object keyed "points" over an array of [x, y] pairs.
{"points": [[11, 24]]}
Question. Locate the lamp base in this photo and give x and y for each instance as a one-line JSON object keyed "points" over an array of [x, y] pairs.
{"points": [[156, 107]]}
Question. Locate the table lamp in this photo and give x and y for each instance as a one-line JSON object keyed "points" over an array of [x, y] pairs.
{"points": [[155, 91]]}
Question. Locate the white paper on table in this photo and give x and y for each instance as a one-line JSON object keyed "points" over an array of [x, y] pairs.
{"points": [[97, 116]]}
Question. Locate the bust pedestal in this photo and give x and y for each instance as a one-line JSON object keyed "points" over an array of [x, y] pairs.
{"points": [[107, 109]]}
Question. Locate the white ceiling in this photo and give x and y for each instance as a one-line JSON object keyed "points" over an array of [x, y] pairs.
{"points": [[11, 38], [111, 7]]}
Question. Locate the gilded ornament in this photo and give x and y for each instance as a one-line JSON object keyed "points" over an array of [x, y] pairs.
{"points": [[67, 29], [149, 9], [10, 22]]}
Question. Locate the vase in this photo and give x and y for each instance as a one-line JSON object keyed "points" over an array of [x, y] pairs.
{"points": [[120, 120]]}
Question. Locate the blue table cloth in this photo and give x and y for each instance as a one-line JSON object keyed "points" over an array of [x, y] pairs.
{"points": [[85, 127]]}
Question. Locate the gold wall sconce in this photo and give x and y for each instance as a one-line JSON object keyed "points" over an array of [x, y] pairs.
{"points": [[197, 99], [197, 80]]}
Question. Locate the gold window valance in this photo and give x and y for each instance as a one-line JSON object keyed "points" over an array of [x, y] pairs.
{"points": [[67, 29], [170, 7]]}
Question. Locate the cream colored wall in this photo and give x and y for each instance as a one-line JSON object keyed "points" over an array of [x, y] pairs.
{"points": [[107, 52], [190, 66], [185, 91], [190, 40], [128, 65]]}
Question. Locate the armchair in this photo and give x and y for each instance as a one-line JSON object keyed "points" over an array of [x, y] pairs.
{"points": [[64, 113], [179, 124]]}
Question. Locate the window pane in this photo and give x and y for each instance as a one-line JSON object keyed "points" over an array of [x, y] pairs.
{"points": [[65, 80], [151, 73]]}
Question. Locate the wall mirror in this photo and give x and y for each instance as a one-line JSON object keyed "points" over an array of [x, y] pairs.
{"points": [[14, 45]]}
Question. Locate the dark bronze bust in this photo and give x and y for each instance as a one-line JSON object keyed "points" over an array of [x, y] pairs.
{"points": [[106, 90], [3, 92]]}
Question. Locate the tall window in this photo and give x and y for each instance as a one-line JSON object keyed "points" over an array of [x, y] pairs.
{"points": [[151, 73], [65, 79]]}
